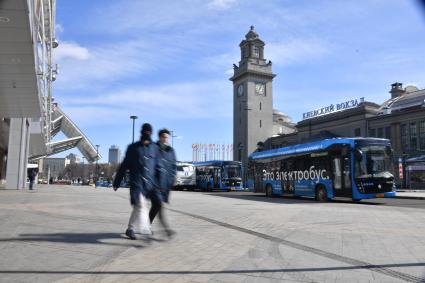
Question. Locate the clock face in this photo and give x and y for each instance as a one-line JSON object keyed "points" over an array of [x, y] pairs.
{"points": [[260, 88], [240, 90]]}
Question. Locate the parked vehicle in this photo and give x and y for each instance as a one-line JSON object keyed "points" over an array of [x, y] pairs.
{"points": [[185, 176]]}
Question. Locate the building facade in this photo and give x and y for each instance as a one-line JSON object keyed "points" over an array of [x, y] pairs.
{"points": [[27, 32], [53, 168], [114, 154], [28, 118], [400, 119], [73, 158]]}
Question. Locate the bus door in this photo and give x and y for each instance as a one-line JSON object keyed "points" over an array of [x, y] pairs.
{"points": [[217, 177], [288, 186], [341, 171], [258, 178]]}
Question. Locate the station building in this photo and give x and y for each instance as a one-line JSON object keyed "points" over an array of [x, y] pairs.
{"points": [[29, 119], [400, 119]]}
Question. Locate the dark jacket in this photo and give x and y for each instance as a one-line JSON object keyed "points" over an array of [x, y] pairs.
{"points": [[167, 173], [31, 175], [143, 162]]}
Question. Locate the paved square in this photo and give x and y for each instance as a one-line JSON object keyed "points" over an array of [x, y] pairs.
{"points": [[71, 233]]}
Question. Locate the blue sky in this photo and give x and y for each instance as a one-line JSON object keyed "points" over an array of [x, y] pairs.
{"points": [[169, 62]]}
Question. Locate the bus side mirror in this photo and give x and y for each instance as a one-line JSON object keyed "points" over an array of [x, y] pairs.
{"points": [[388, 150], [358, 154]]}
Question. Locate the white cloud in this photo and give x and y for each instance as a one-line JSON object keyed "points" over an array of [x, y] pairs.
{"points": [[295, 51], [221, 4], [102, 65], [229, 72], [210, 99], [59, 28], [148, 16], [220, 64], [70, 50]]}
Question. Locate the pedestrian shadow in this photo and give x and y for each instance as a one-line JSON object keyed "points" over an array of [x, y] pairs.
{"points": [[111, 239]]}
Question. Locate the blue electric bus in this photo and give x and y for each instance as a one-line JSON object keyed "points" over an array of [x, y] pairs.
{"points": [[219, 175], [358, 168]]}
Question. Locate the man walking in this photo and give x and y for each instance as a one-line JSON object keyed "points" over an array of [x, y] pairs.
{"points": [[166, 177], [31, 176], [142, 160]]}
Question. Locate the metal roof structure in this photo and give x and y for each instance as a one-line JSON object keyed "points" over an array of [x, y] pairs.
{"points": [[76, 138]]}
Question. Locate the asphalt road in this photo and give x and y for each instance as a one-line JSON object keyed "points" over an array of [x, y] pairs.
{"points": [[396, 202]]}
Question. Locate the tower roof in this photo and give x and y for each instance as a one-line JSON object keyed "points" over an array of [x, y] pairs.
{"points": [[252, 34]]}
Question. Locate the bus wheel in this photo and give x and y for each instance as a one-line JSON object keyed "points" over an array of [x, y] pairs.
{"points": [[321, 194], [269, 191]]}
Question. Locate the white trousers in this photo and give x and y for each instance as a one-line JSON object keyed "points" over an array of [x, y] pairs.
{"points": [[139, 217]]}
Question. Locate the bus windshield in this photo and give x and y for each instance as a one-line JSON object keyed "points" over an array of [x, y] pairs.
{"points": [[376, 161], [184, 168], [232, 171]]}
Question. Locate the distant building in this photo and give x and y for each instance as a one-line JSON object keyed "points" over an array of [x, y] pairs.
{"points": [[114, 154], [53, 167], [73, 158], [282, 123]]}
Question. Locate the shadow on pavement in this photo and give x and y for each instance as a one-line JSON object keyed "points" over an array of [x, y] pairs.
{"points": [[230, 271], [286, 199], [114, 239]]}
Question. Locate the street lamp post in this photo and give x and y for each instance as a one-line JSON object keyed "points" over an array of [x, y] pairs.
{"points": [[97, 159], [172, 138], [133, 118], [83, 177]]}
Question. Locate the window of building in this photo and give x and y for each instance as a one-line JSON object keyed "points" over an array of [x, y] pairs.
{"points": [[404, 137], [380, 133], [388, 133], [256, 52], [372, 133], [357, 132], [260, 105], [422, 135], [413, 136], [244, 55]]}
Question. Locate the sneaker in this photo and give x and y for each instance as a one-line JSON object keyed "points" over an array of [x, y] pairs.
{"points": [[130, 233]]}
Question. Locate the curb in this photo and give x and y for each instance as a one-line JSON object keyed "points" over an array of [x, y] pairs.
{"points": [[407, 197]]}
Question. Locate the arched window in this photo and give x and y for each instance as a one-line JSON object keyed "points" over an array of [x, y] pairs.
{"points": [[244, 52], [256, 52]]}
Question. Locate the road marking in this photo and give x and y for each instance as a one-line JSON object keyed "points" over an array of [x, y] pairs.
{"points": [[358, 263]]}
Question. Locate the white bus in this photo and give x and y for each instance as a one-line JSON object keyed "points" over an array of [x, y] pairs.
{"points": [[185, 176]]}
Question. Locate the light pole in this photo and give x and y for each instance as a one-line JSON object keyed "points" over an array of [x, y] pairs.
{"points": [[83, 177], [97, 159], [133, 118], [172, 138]]}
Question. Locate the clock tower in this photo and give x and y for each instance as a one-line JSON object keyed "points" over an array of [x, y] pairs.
{"points": [[252, 98]]}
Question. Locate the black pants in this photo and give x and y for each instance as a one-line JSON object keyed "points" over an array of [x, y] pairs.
{"points": [[156, 208]]}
